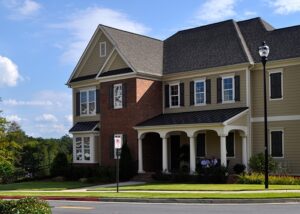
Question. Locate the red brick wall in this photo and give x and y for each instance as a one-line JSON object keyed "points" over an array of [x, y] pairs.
{"points": [[144, 101]]}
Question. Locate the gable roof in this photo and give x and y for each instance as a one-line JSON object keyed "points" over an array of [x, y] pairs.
{"points": [[85, 126]]}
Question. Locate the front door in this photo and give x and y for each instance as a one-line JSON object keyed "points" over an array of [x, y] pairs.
{"points": [[175, 152]]}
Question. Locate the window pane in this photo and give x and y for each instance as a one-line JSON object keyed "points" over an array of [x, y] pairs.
{"points": [[118, 94], [228, 95], [78, 145], [228, 83], [199, 98], [84, 108], [174, 101], [83, 97], [92, 96], [230, 144], [174, 89], [92, 109], [276, 144], [86, 146], [199, 87]]}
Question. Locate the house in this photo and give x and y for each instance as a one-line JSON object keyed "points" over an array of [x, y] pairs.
{"points": [[200, 89]]}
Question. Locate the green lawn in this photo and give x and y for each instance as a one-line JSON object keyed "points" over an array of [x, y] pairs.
{"points": [[43, 185], [203, 187]]}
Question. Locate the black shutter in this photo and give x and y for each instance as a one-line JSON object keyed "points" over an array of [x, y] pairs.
{"points": [[111, 147], [219, 90], [230, 144], [275, 85], [182, 94], [208, 91], [77, 103], [111, 97], [167, 101], [192, 91], [97, 101], [124, 95], [276, 147], [237, 88], [200, 145]]}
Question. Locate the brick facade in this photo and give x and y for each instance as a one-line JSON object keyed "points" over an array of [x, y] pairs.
{"points": [[143, 101]]}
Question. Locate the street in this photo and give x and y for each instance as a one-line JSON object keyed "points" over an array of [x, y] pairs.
{"points": [[64, 207]]}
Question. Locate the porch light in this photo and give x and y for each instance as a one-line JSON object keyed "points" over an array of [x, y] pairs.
{"points": [[264, 53]]}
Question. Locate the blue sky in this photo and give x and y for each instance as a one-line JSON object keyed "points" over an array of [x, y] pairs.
{"points": [[41, 41]]}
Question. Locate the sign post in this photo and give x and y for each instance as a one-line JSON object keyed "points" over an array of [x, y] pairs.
{"points": [[118, 145]]}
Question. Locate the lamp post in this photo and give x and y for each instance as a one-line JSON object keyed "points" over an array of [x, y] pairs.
{"points": [[264, 52]]}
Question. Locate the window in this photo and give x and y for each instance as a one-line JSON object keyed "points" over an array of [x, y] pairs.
{"points": [[275, 85], [200, 92], [228, 89], [201, 146], [230, 144], [118, 96], [83, 149], [102, 49], [174, 95], [88, 102], [276, 144]]}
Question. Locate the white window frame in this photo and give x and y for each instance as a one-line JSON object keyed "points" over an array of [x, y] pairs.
{"points": [[234, 140], [170, 96], [92, 148], [195, 92], [114, 96], [115, 150], [270, 141], [233, 89], [274, 71], [100, 49], [87, 90], [205, 152]]}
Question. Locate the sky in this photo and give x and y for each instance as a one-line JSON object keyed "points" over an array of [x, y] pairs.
{"points": [[42, 40]]}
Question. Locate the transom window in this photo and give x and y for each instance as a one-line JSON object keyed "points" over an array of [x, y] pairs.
{"points": [[83, 149], [277, 144], [88, 102], [228, 89], [200, 89], [174, 95], [102, 49], [118, 96]]}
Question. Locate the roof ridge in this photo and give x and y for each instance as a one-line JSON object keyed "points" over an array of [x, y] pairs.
{"points": [[137, 34], [284, 28]]}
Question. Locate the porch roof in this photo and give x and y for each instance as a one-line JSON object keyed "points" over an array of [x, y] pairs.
{"points": [[207, 116], [89, 126]]}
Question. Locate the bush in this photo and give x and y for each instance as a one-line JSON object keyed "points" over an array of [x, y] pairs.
{"points": [[257, 163], [216, 174], [259, 178], [60, 165], [25, 206], [92, 173], [127, 169], [6, 171], [239, 168]]}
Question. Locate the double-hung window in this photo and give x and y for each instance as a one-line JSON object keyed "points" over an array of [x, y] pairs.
{"points": [[174, 95], [228, 89], [83, 149], [276, 143], [88, 102], [118, 96], [200, 92]]}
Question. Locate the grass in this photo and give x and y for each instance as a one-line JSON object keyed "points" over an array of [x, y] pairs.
{"points": [[43, 185]]}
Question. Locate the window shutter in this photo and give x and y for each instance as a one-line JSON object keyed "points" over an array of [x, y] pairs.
{"points": [[181, 94], [167, 100], [276, 139], [97, 101], [208, 91], [276, 85], [192, 91], [219, 90], [111, 97], [230, 144], [237, 88], [111, 147], [77, 103], [124, 95]]}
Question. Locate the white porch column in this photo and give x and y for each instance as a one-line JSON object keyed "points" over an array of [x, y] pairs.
{"points": [[244, 151], [192, 155], [223, 150], [164, 155], [140, 152]]}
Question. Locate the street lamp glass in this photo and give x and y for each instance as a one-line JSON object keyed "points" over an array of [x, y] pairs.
{"points": [[264, 50]]}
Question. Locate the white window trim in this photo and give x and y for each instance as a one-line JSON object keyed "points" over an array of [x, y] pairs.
{"points": [[87, 102], [114, 86], [270, 142], [92, 148], [170, 100], [115, 150], [204, 82], [274, 71], [205, 152], [100, 45], [233, 89], [234, 152]]}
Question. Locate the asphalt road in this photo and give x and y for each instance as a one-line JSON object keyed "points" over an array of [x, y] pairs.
{"points": [[64, 207]]}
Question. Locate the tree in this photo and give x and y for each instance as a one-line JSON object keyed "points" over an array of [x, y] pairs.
{"points": [[127, 169], [60, 166]]}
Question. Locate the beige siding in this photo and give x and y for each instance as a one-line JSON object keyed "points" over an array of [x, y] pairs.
{"points": [[289, 105], [116, 62], [242, 121], [291, 140], [92, 62], [214, 104]]}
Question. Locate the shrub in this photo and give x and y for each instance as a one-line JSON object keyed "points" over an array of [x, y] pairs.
{"points": [[6, 171], [60, 165], [93, 173], [257, 163], [259, 178], [127, 169], [239, 168]]}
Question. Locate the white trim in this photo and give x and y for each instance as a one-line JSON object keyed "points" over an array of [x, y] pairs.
{"points": [[225, 123], [92, 148], [87, 90], [248, 88], [233, 89], [274, 71], [195, 83], [170, 99], [100, 49], [276, 118], [115, 86], [282, 141]]}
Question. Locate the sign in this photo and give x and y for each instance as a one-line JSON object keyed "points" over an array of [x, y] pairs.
{"points": [[118, 141]]}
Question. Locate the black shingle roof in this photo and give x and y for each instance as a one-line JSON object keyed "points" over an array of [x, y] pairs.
{"points": [[87, 77], [84, 126], [116, 72], [208, 116]]}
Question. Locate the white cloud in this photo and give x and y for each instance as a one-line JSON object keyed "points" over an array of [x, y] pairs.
{"points": [[83, 23], [69, 118], [14, 118], [250, 13], [285, 7], [50, 129], [9, 74], [14, 102], [46, 118], [215, 10], [22, 8]]}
